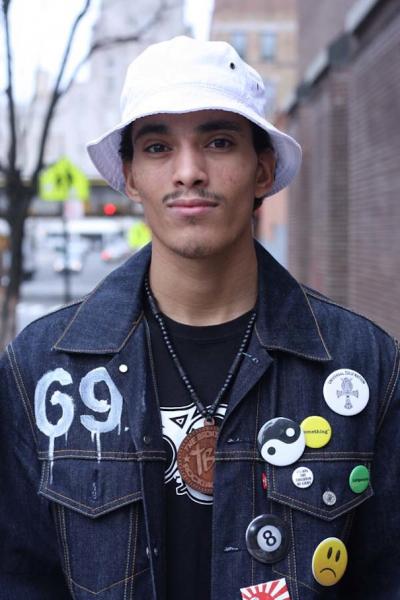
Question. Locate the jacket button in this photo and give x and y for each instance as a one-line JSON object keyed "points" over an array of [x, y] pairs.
{"points": [[155, 551], [123, 368], [146, 440], [147, 552], [329, 498]]}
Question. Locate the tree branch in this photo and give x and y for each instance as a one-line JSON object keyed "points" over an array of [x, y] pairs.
{"points": [[115, 41], [12, 152], [56, 94]]}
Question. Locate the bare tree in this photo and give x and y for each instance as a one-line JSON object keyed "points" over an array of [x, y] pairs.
{"points": [[20, 191]]}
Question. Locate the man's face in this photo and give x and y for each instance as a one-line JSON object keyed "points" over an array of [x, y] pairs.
{"points": [[197, 175]]}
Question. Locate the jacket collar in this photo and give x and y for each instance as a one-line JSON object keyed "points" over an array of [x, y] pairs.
{"points": [[285, 319], [109, 315]]}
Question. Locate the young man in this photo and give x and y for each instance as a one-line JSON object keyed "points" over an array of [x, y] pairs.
{"points": [[200, 426]]}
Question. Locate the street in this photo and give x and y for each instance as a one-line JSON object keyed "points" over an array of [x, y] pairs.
{"points": [[45, 292]]}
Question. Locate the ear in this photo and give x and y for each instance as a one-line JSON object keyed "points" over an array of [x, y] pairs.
{"points": [[265, 173], [130, 189]]}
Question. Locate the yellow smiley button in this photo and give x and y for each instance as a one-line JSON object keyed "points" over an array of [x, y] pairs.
{"points": [[329, 561], [317, 431]]}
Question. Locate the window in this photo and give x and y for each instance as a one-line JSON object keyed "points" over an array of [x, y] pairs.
{"points": [[268, 45], [239, 42]]}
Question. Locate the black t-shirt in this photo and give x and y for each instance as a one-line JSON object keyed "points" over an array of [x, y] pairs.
{"points": [[206, 353]]}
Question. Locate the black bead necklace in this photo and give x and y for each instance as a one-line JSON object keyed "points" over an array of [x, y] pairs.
{"points": [[207, 412]]}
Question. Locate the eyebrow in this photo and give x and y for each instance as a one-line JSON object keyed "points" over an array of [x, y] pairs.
{"points": [[157, 128], [207, 127]]}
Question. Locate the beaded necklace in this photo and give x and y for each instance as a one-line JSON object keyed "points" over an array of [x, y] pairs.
{"points": [[196, 454]]}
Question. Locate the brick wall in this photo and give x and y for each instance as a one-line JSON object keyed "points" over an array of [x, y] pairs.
{"points": [[320, 21], [318, 208], [374, 178], [344, 209]]}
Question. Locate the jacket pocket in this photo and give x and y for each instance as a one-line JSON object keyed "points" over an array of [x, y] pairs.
{"points": [[324, 509], [98, 512]]}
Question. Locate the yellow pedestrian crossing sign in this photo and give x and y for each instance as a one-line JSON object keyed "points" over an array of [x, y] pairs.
{"points": [[61, 180], [139, 235]]}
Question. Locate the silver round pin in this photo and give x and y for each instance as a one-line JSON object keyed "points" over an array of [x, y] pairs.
{"points": [[329, 498]]}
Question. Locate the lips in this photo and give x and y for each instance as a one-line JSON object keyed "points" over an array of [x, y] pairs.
{"points": [[191, 203]]}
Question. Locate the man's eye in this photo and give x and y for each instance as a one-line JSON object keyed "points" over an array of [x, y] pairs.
{"points": [[156, 148], [220, 143]]}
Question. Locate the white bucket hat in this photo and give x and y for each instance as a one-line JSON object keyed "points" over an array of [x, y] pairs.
{"points": [[184, 75]]}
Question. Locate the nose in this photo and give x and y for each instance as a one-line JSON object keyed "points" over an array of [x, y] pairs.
{"points": [[190, 168]]}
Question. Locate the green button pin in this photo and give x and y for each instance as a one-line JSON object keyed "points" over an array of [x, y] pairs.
{"points": [[359, 479]]}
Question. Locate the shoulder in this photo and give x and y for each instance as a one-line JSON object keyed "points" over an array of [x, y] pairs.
{"points": [[331, 313], [42, 333], [356, 337]]}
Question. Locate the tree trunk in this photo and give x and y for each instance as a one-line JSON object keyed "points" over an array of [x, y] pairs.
{"points": [[19, 198]]}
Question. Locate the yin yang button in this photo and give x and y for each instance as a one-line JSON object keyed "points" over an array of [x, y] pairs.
{"points": [[267, 539], [281, 441]]}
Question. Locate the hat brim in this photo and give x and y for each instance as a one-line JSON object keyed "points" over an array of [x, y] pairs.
{"points": [[104, 151]]}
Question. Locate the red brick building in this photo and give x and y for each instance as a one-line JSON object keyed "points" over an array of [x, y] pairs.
{"points": [[344, 210]]}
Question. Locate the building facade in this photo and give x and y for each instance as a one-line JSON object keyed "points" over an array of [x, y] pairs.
{"points": [[344, 213]]}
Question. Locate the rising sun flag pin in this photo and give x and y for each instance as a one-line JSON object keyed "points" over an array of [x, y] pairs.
{"points": [[272, 590]]}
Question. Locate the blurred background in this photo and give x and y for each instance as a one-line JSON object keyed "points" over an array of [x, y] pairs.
{"points": [[332, 74]]}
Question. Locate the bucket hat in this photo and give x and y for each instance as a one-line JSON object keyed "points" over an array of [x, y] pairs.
{"points": [[184, 75]]}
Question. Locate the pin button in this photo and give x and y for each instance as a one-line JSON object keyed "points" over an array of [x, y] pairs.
{"points": [[317, 431], [329, 561], [281, 441], [359, 479], [147, 439], [302, 477], [123, 368], [329, 498], [346, 392], [267, 539]]}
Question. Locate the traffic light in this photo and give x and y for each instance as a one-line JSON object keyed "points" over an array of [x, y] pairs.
{"points": [[110, 209]]}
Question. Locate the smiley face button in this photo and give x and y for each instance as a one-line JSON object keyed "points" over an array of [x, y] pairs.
{"points": [[281, 441], [267, 539], [329, 561]]}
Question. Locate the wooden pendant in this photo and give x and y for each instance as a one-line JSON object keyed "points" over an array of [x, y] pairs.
{"points": [[196, 458]]}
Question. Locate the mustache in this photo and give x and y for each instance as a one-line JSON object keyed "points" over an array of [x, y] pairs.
{"points": [[200, 193]]}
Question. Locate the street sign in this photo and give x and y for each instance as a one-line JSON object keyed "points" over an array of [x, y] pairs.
{"points": [[61, 180]]}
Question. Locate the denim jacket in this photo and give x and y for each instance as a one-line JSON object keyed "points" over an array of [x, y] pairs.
{"points": [[82, 459]]}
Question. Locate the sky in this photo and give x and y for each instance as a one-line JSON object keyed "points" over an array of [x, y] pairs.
{"points": [[39, 29]]}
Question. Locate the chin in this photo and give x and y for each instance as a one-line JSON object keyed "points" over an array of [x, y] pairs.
{"points": [[194, 250]]}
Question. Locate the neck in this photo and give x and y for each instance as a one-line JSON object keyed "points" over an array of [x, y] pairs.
{"points": [[205, 291]]}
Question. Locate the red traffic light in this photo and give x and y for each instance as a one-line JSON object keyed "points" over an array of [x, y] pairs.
{"points": [[109, 209]]}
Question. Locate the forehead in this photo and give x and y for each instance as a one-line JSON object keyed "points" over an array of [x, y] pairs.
{"points": [[202, 120]]}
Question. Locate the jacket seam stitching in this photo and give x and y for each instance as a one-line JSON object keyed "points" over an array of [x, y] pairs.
{"points": [[66, 549], [133, 456], [128, 558], [391, 386], [135, 547], [82, 587], [134, 496], [97, 350], [316, 323], [22, 391], [320, 512]]}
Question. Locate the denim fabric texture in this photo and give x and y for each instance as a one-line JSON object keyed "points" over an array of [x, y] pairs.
{"points": [[82, 456]]}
